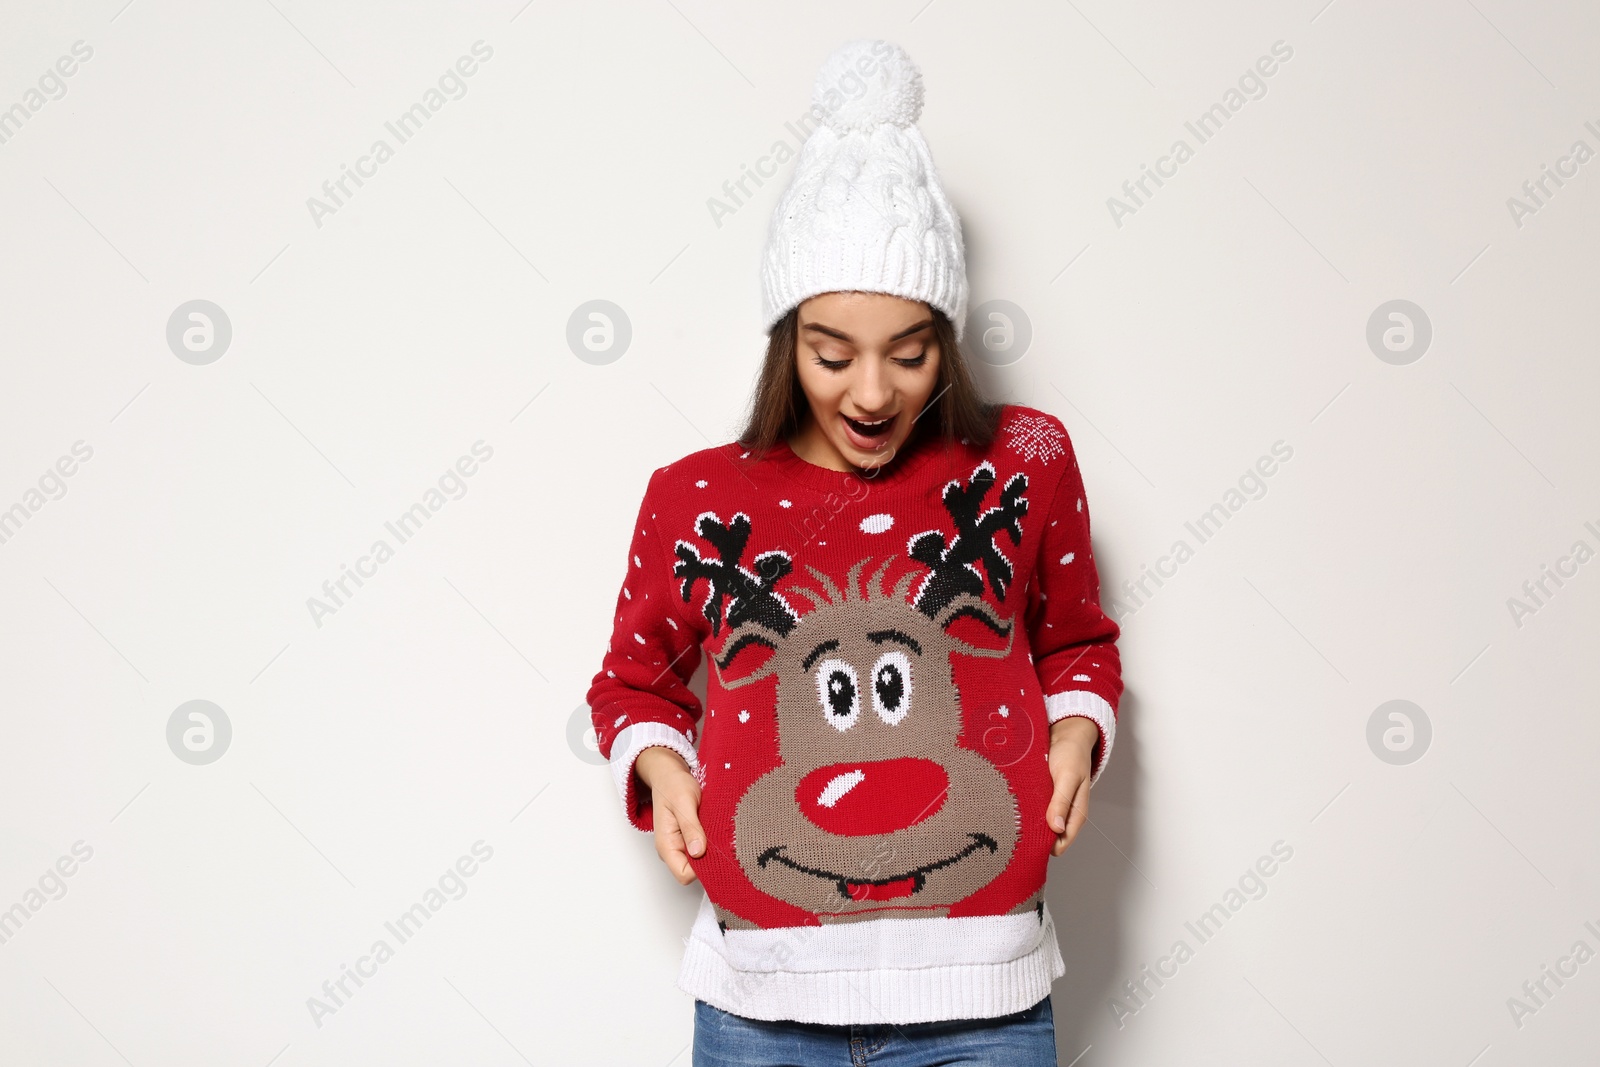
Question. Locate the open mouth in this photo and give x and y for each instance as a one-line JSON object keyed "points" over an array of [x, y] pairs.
{"points": [[867, 435], [900, 885]]}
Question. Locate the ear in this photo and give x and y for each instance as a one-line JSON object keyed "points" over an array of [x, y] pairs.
{"points": [[731, 650], [974, 628]]}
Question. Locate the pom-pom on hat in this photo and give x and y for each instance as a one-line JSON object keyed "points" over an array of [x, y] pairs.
{"points": [[864, 209]]}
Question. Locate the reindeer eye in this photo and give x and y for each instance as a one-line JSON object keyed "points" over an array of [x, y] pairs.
{"points": [[839, 692], [891, 686]]}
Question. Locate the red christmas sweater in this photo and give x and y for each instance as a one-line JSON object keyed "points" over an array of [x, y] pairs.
{"points": [[887, 651]]}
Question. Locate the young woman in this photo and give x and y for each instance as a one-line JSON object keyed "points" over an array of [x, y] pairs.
{"points": [[911, 685]]}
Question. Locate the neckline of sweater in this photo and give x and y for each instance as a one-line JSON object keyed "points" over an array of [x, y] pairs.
{"points": [[899, 470]]}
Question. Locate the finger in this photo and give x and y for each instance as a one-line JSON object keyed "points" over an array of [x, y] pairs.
{"points": [[1055, 812], [668, 838], [677, 861], [669, 845], [694, 837], [681, 826], [1059, 844], [1080, 810], [1075, 820]]}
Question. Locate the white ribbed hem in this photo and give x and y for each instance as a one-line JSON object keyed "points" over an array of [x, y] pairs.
{"points": [[871, 989], [634, 739], [1081, 702]]}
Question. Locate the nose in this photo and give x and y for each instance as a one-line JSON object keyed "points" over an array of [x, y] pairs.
{"points": [[872, 388], [872, 797]]}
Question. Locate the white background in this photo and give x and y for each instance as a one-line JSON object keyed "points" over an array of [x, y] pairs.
{"points": [[431, 710]]}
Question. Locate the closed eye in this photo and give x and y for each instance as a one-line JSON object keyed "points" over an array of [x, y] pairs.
{"points": [[909, 362]]}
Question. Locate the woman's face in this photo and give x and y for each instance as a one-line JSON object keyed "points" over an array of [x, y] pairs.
{"points": [[867, 363]]}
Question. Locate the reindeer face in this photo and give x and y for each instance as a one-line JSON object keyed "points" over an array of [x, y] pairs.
{"points": [[875, 805]]}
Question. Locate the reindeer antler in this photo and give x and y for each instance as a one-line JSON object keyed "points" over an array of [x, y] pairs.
{"points": [[752, 597], [951, 570]]}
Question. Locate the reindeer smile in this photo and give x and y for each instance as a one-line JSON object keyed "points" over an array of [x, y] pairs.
{"points": [[900, 885]]}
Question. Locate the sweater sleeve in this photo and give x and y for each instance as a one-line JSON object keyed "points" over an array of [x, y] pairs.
{"points": [[641, 696], [1073, 641]]}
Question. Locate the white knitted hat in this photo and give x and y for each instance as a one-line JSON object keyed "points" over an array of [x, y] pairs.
{"points": [[864, 209]]}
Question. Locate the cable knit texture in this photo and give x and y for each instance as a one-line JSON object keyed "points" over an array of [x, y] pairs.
{"points": [[864, 209], [886, 656]]}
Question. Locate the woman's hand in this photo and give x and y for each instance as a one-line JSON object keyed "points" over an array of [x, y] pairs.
{"points": [[1072, 742], [675, 804]]}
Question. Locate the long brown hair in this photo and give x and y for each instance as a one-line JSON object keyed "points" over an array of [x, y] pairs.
{"points": [[778, 404]]}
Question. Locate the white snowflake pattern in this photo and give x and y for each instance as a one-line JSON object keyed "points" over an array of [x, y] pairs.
{"points": [[1032, 435], [879, 523]]}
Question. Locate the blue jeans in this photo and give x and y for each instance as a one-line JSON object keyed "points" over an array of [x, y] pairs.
{"points": [[1023, 1039]]}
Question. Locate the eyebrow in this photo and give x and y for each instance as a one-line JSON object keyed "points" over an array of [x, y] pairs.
{"points": [[841, 335], [880, 636], [811, 658]]}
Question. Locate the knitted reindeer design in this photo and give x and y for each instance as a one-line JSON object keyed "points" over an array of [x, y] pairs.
{"points": [[874, 809]]}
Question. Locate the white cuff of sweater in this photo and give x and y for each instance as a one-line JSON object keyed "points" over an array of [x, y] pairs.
{"points": [[1093, 706], [634, 739]]}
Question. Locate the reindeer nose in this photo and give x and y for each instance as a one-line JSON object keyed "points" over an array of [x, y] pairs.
{"points": [[873, 797]]}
